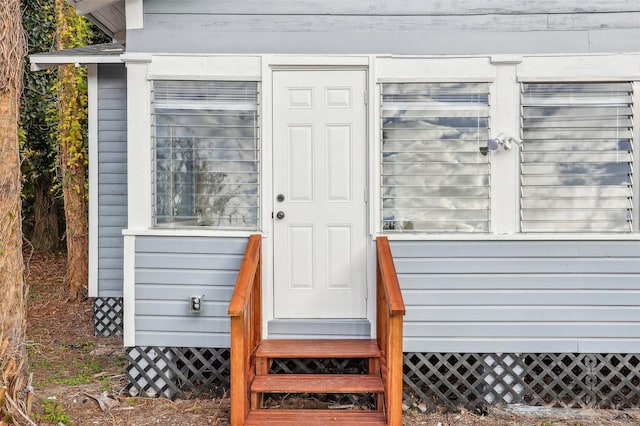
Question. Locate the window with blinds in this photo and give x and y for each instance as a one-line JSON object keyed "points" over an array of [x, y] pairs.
{"points": [[206, 154], [577, 157], [433, 176]]}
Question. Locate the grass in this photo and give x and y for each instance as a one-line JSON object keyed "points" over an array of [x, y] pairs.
{"points": [[86, 346], [105, 383], [65, 364], [54, 413]]}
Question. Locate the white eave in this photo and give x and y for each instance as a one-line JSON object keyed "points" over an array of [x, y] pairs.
{"points": [[109, 15], [108, 53], [87, 6]]}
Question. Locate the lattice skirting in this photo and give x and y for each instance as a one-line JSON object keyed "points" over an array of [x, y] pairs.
{"points": [[107, 316], [170, 372], [319, 366], [561, 380], [473, 381]]}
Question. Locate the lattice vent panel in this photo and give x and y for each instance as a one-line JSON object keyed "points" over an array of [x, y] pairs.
{"points": [[454, 380], [107, 316], [319, 366], [583, 380], [322, 366], [205, 370], [562, 380], [170, 372]]}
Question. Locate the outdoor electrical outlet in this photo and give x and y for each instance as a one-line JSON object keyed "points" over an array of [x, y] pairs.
{"points": [[195, 306]]}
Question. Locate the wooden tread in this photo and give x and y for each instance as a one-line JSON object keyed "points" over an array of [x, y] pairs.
{"points": [[314, 417], [318, 348], [317, 383]]}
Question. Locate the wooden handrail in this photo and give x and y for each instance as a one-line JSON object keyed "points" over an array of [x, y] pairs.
{"points": [[391, 286], [246, 329], [390, 310]]}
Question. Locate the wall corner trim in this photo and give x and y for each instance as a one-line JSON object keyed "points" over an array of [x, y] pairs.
{"points": [[134, 12], [92, 83], [128, 292]]}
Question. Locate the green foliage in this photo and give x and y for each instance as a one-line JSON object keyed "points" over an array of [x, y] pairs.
{"points": [[71, 111], [86, 346], [105, 383], [60, 370], [38, 143], [54, 412], [39, 115]]}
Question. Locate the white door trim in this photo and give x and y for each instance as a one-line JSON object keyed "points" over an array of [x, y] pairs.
{"points": [[319, 141], [270, 64]]}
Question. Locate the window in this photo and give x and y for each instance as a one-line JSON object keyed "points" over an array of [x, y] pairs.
{"points": [[577, 157], [433, 176], [206, 154]]}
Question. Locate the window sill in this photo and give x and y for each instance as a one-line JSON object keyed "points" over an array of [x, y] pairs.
{"points": [[635, 236], [186, 232]]}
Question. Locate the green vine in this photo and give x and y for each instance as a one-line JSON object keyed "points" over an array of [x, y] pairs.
{"points": [[71, 113], [38, 140]]}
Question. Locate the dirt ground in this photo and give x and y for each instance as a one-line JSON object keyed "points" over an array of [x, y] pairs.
{"points": [[78, 379]]}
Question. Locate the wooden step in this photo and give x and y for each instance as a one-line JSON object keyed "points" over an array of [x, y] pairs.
{"points": [[318, 348], [317, 383], [314, 417]]}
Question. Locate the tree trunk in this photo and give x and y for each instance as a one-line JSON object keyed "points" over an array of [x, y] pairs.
{"points": [[72, 102], [13, 357], [72, 164], [45, 236]]}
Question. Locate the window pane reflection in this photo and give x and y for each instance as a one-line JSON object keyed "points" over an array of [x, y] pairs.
{"points": [[206, 152], [434, 178], [577, 157]]}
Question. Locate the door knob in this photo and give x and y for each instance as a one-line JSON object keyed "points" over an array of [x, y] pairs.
{"points": [[280, 215], [280, 198]]}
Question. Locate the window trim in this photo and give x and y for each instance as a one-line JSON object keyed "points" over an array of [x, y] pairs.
{"points": [[634, 236], [537, 104], [143, 68], [536, 69], [380, 164], [154, 170], [635, 213]]}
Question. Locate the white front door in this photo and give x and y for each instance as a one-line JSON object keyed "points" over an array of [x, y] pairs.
{"points": [[319, 186]]}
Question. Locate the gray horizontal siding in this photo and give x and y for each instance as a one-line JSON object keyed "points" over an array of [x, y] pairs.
{"points": [[112, 178], [168, 271], [379, 26], [112, 168], [385, 7], [113, 135], [318, 329], [112, 200], [520, 296], [401, 23]]}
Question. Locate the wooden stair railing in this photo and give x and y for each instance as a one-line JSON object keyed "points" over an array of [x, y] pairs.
{"points": [[268, 382], [389, 316], [251, 357], [246, 329]]}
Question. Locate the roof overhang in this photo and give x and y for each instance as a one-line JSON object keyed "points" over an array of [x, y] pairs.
{"points": [[109, 15], [84, 7], [108, 53]]}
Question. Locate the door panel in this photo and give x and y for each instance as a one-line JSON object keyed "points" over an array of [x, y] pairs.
{"points": [[319, 163]]}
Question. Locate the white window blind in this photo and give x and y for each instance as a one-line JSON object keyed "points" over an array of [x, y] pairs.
{"points": [[577, 157], [206, 154], [434, 178]]}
